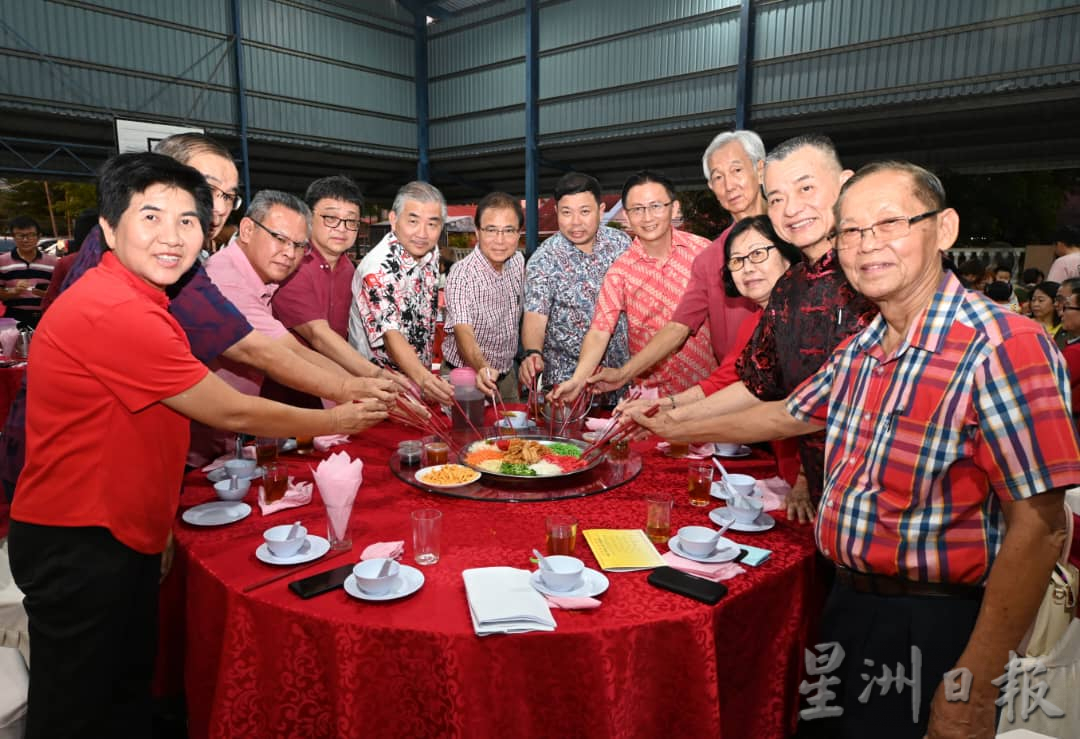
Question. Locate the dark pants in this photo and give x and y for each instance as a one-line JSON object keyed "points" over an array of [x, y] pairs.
{"points": [[92, 606], [883, 629]]}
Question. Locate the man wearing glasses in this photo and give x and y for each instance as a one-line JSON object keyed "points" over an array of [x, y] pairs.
{"points": [[483, 298], [25, 272], [314, 302], [646, 283]]}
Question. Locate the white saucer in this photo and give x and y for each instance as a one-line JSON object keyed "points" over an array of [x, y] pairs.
{"points": [[222, 474], [313, 548], [594, 584], [719, 489], [726, 550], [217, 513], [409, 581], [721, 517], [742, 451]]}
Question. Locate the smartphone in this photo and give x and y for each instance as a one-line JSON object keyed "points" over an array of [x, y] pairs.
{"points": [[323, 582], [697, 588]]}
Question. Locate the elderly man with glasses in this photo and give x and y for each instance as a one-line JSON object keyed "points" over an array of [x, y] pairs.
{"points": [[25, 272]]}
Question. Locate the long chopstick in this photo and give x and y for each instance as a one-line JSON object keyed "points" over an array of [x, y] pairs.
{"points": [[293, 571]]}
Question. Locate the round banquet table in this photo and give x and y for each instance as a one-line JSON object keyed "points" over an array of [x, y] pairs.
{"points": [[647, 663], [10, 379]]}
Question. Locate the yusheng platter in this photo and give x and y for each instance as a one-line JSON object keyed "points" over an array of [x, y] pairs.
{"points": [[528, 457]]}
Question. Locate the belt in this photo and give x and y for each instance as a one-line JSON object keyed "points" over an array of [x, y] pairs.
{"points": [[863, 582]]}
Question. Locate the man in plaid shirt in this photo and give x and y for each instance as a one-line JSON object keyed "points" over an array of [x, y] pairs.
{"points": [[943, 507]]}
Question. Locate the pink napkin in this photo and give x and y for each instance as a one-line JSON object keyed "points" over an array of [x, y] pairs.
{"points": [[297, 494], [568, 603], [323, 443], [249, 453], [596, 424], [338, 478], [697, 451], [716, 573], [773, 491], [384, 550]]}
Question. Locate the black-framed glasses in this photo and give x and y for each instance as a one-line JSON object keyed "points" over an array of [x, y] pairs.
{"points": [[229, 199], [655, 209], [888, 228], [507, 233], [27, 236], [754, 256], [1063, 306], [351, 224], [282, 238]]}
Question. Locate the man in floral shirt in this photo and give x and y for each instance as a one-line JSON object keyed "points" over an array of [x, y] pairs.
{"points": [[563, 280], [392, 318]]}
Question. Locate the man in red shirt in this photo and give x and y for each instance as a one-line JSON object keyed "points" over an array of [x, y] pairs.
{"points": [[733, 165], [109, 400]]}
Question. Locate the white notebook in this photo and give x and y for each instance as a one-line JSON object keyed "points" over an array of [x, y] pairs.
{"points": [[502, 601]]}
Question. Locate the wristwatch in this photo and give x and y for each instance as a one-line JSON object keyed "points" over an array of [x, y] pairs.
{"points": [[530, 352]]}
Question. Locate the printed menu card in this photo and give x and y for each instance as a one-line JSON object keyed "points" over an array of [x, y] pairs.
{"points": [[623, 550]]}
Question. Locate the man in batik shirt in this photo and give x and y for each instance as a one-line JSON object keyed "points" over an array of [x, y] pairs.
{"points": [[392, 318], [563, 280]]}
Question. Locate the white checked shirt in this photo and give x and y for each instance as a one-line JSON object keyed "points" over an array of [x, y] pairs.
{"points": [[490, 302]]}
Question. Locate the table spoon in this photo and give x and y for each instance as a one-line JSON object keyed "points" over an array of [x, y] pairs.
{"points": [[543, 562]]}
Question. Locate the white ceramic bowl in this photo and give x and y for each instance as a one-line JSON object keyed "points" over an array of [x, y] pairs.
{"points": [[725, 448], [279, 544], [240, 467], [745, 508], [565, 572], [517, 419], [698, 540], [224, 493], [367, 576], [740, 484]]}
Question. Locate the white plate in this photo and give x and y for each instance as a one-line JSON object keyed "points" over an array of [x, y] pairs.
{"points": [[217, 513], [220, 474], [409, 581], [726, 550], [425, 470], [310, 550], [594, 584], [721, 516], [742, 451]]}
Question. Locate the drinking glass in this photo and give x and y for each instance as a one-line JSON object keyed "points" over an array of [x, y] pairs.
{"points": [[275, 482], [561, 534], [658, 517], [427, 536], [699, 481]]}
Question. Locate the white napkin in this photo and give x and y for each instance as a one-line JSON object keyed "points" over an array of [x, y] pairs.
{"points": [[502, 601], [338, 478]]}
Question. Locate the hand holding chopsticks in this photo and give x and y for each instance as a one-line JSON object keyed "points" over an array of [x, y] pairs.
{"points": [[615, 432]]}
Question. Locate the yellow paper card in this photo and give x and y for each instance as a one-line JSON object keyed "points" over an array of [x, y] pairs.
{"points": [[623, 549]]}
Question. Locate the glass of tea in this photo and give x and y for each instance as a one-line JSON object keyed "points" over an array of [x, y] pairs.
{"points": [[678, 449], [561, 534], [699, 480], [658, 517], [275, 482], [305, 444], [266, 450]]}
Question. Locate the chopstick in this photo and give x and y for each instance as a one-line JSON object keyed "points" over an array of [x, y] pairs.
{"points": [[289, 573], [618, 435]]}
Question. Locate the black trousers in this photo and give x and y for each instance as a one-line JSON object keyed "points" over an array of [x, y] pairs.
{"points": [[92, 607], [883, 630]]}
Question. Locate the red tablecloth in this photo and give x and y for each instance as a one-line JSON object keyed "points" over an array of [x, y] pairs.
{"points": [[648, 663], [10, 379]]}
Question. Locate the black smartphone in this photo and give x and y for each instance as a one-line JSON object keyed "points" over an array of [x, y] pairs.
{"points": [[321, 583], [697, 588]]}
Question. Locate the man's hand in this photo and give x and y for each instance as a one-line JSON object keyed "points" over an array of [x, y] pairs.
{"points": [[363, 414], [608, 379], [486, 381], [567, 392], [641, 404], [530, 367], [970, 719], [799, 506], [404, 384], [357, 388], [661, 424], [436, 389]]}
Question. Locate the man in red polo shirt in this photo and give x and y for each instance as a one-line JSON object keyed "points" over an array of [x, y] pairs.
{"points": [[109, 400]]}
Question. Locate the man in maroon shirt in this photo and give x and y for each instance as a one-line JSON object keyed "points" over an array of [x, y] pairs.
{"points": [[733, 165], [314, 301]]}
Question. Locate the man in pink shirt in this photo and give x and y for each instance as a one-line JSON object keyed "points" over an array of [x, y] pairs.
{"points": [[646, 283], [733, 162]]}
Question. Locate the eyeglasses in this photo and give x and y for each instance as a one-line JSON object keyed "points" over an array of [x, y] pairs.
{"points": [[1069, 307], [351, 224], [31, 236], [654, 208], [754, 256], [282, 239], [889, 228], [230, 200], [506, 233]]}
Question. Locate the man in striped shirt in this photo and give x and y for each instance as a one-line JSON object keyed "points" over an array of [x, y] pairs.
{"points": [[25, 272], [483, 298], [943, 506]]}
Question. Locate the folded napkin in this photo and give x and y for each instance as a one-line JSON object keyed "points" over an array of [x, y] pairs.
{"points": [[716, 573], [323, 443], [567, 603], [383, 550], [502, 600], [338, 478], [297, 494], [697, 451], [773, 491], [596, 424], [249, 453]]}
